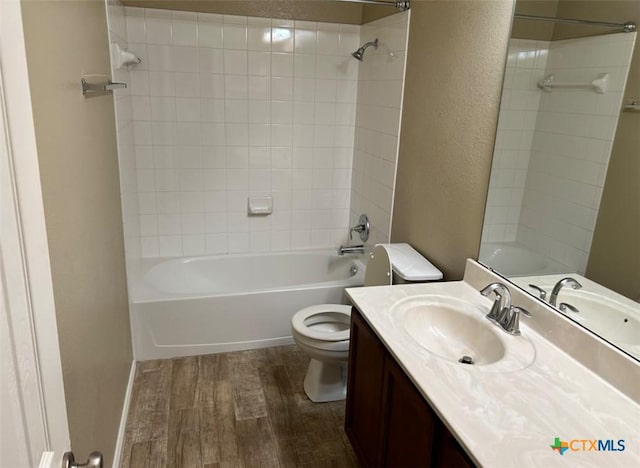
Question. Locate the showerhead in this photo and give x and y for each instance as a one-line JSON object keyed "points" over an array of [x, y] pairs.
{"points": [[359, 54]]}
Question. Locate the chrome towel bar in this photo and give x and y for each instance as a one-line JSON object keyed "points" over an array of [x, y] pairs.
{"points": [[599, 84]]}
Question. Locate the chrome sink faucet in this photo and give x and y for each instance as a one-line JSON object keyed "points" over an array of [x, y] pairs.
{"points": [[503, 313], [502, 303], [568, 281]]}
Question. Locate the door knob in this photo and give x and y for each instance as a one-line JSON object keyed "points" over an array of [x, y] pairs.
{"points": [[94, 461]]}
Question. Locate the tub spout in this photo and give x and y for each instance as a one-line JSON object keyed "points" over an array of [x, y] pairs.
{"points": [[350, 249]]}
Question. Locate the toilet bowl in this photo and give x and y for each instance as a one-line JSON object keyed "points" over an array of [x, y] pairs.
{"points": [[322, 331]]}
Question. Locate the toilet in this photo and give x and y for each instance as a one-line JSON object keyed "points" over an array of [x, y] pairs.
{"points": [[322, 331]]}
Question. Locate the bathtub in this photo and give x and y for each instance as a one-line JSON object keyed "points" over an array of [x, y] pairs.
{"points": [[213, 304], [512, 259]]}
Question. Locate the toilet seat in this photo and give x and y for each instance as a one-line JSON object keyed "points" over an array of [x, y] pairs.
{"points": [[303, 321], [322, 331]]}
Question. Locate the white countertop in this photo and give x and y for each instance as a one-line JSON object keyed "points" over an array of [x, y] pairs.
{"points": [[509, 419]]}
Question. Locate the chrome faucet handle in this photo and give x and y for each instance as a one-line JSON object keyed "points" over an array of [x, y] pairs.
{"points": [[496, 308], [512, 320], [542, 294], [362, 228], [523, 311], [564, 307], [504, 316]]}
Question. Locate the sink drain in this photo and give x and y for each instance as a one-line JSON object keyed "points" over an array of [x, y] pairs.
{"points": [[466, 360]]}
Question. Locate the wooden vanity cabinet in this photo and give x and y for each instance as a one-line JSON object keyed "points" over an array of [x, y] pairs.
{"points": [[387, 420], [363, 416]]}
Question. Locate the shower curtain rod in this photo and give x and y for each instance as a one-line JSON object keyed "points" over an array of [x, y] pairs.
{"points": [[629, 26], [401, 5]]}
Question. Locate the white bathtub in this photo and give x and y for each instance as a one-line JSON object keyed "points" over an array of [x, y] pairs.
{"points": [[212, 304], [512, 259]]}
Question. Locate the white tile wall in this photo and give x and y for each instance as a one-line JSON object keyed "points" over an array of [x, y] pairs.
{"points": [[378, 110], [571, 148], [526, 64], [566, 155], [224, 107]]}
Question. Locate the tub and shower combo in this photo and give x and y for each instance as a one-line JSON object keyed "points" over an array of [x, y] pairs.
{"points": [[212, 304]]}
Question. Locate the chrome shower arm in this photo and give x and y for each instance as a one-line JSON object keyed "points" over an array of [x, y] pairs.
{"points": [[359, 54]]}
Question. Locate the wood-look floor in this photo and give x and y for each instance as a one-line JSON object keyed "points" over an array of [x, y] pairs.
{"points": [[241, 409]]}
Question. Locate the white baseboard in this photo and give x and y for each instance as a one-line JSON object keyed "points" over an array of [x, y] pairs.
{"points": [[117, 453]]}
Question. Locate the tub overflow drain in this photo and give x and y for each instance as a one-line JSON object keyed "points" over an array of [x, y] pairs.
{"points": [[466, 360]]}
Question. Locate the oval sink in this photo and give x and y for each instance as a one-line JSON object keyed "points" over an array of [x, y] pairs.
{"points": [[457, 331], [451, 334]]}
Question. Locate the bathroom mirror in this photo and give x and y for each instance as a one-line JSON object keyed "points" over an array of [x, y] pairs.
{"points": [[564, 196]]}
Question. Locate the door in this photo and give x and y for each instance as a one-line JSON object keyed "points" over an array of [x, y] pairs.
{"points": [[33, 419]]}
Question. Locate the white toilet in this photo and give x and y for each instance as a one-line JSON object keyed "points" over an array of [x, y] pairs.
{"points": [[322, 331]]}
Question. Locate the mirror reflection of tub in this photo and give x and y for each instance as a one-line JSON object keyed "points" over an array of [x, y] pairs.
{"points": [[511, 259]]}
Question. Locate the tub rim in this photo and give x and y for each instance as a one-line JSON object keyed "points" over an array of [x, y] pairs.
{"points": [[143, 293]]}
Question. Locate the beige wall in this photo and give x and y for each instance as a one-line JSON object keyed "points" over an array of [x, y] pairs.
{"points": [[374, 12], [615, 251], [455, 63], [78, 166], [304, 10], [536, 30]]}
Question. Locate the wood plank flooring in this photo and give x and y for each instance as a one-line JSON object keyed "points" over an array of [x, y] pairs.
{"points": [[241, 409]]}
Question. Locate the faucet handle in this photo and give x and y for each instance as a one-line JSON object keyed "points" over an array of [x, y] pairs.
{"points": [[512, 319], [541, 292], [362, 228], [564, 307], [522, 310], [496, 308]]}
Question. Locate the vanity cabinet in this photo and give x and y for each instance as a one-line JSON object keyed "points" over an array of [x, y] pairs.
{"points": [[387, 420]]}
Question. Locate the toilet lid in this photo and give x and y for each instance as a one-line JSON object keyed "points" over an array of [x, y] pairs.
{"points": [[378, 271], [303, 321]]}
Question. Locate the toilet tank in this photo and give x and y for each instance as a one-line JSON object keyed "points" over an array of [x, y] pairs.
{"points": [[398, 264]]}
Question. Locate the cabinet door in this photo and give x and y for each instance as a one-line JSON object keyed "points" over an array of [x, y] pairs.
{"points": [[364, 390], [408, 421], [450, 453]]}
